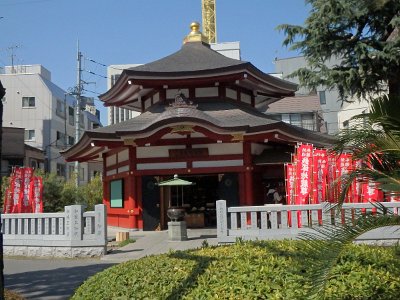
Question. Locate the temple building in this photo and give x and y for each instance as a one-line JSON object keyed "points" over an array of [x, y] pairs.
{"points": [[198, 120]]}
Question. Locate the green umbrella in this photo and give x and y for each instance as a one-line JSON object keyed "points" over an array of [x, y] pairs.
{"points": [[176, 182]]}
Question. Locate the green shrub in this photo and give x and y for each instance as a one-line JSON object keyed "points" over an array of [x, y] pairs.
{"points": [[248, 270], [92, 192]]}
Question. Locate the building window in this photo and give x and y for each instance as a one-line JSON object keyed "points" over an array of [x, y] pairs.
{"points": [[307, 122], [28, 101], [295, 119], [322, 97], [60, 110], [61, 170], [71, 140], [114, 78], [30, 135], [60, 139], [71, 119]]}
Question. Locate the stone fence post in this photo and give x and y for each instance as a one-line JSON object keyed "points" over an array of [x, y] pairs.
{"points": [[222, 220], [100, 212], [74, 222]]}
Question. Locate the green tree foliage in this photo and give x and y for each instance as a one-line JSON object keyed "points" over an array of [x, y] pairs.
{"points": [[92, 192], [360, 35], [52, 193]]}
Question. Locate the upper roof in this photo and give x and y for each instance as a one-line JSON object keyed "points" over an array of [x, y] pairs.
{"points": [[194, 65], [192, 57]]}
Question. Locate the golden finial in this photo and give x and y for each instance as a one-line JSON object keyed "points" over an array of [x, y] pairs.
{"points": [[195, 35]]}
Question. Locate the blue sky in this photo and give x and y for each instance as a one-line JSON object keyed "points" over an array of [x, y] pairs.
{"points": [[134, 31]]}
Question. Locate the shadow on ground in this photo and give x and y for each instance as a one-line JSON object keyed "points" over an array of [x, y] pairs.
{"points": [[57, 283]]}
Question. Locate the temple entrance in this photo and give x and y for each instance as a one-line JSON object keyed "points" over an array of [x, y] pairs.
{"points": [[151, 203], [199, 200]]}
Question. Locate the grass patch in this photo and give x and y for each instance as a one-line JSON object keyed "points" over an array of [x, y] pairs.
{"points": [[126, 242], [10, 295], [247, 270]]}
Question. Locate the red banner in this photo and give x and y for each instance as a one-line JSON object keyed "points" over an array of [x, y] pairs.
{"points": [[25, 197], [344, 166], [356, 188], [331, 177], [290, 183], [36, 194], [304, 176], [320, 172], [16, 190], [21, 197], [304, 173]]}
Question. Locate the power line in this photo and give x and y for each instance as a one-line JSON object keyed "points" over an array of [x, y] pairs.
{"points": [[101, 64], [93, 73], [93, 92]]}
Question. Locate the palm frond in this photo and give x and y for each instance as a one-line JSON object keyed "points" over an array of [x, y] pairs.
{"points": [[329, 241]]}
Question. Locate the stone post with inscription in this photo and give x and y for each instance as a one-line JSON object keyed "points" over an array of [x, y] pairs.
{"points": [[222, 222], [73, 223], [100, 211]]}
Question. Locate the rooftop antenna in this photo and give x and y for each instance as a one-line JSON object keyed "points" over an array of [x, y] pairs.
{"points": [[209, 20], [12, 56]]}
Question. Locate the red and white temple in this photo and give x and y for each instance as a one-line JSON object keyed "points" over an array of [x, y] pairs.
{"points": [[198, 120]]}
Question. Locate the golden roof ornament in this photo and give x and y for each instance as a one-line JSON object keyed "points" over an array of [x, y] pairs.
{"points": [[195, 34]]}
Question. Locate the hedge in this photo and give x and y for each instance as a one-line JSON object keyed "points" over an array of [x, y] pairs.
{"points": [[250, 270]]}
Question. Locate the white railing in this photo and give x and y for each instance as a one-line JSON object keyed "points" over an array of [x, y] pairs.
{"points": [[70, 229], [287, 221]]}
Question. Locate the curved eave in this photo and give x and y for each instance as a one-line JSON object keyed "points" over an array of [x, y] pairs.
{"points": [[93, 144], [134, 84], [89, 147], [294, 134]]}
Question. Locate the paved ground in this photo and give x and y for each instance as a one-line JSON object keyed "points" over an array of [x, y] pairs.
{"points": [[58, 278]]}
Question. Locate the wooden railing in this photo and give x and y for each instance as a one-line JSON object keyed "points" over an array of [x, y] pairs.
{"points": [[288, 221], [72, 228]]}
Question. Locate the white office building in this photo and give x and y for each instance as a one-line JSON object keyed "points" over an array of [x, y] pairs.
{"points": [[47, 113]]}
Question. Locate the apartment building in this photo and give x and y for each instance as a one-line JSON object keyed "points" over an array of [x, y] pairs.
{"points": [[47, 114]]}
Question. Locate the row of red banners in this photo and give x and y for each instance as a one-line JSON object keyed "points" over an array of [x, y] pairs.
{"points": [[314, 176], [25, 192]]}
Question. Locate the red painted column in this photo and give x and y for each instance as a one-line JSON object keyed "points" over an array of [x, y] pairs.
{"points": [[248, 173], [131, 181]]}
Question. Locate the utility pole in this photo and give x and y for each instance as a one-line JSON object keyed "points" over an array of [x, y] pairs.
{"points": [[78, 108], [2, 94]]}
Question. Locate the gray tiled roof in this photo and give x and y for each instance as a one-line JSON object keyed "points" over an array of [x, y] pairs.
{"points": [[295, 105], [225, 115], [191, 57], [220, 114]]}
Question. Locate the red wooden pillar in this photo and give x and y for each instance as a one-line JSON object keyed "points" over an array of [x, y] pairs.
{"points": [[105, 184], [248, 173], [132, 190], [138, 180]]}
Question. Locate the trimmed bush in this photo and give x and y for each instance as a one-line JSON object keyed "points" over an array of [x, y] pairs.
{"points": [[250, 270]]}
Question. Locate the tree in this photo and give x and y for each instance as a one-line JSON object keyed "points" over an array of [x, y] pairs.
{"points": [[92, 192], [362, 35]]}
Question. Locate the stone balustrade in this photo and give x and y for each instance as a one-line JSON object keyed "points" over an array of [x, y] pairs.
{"points": [[72, 233], [288, 221]]}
